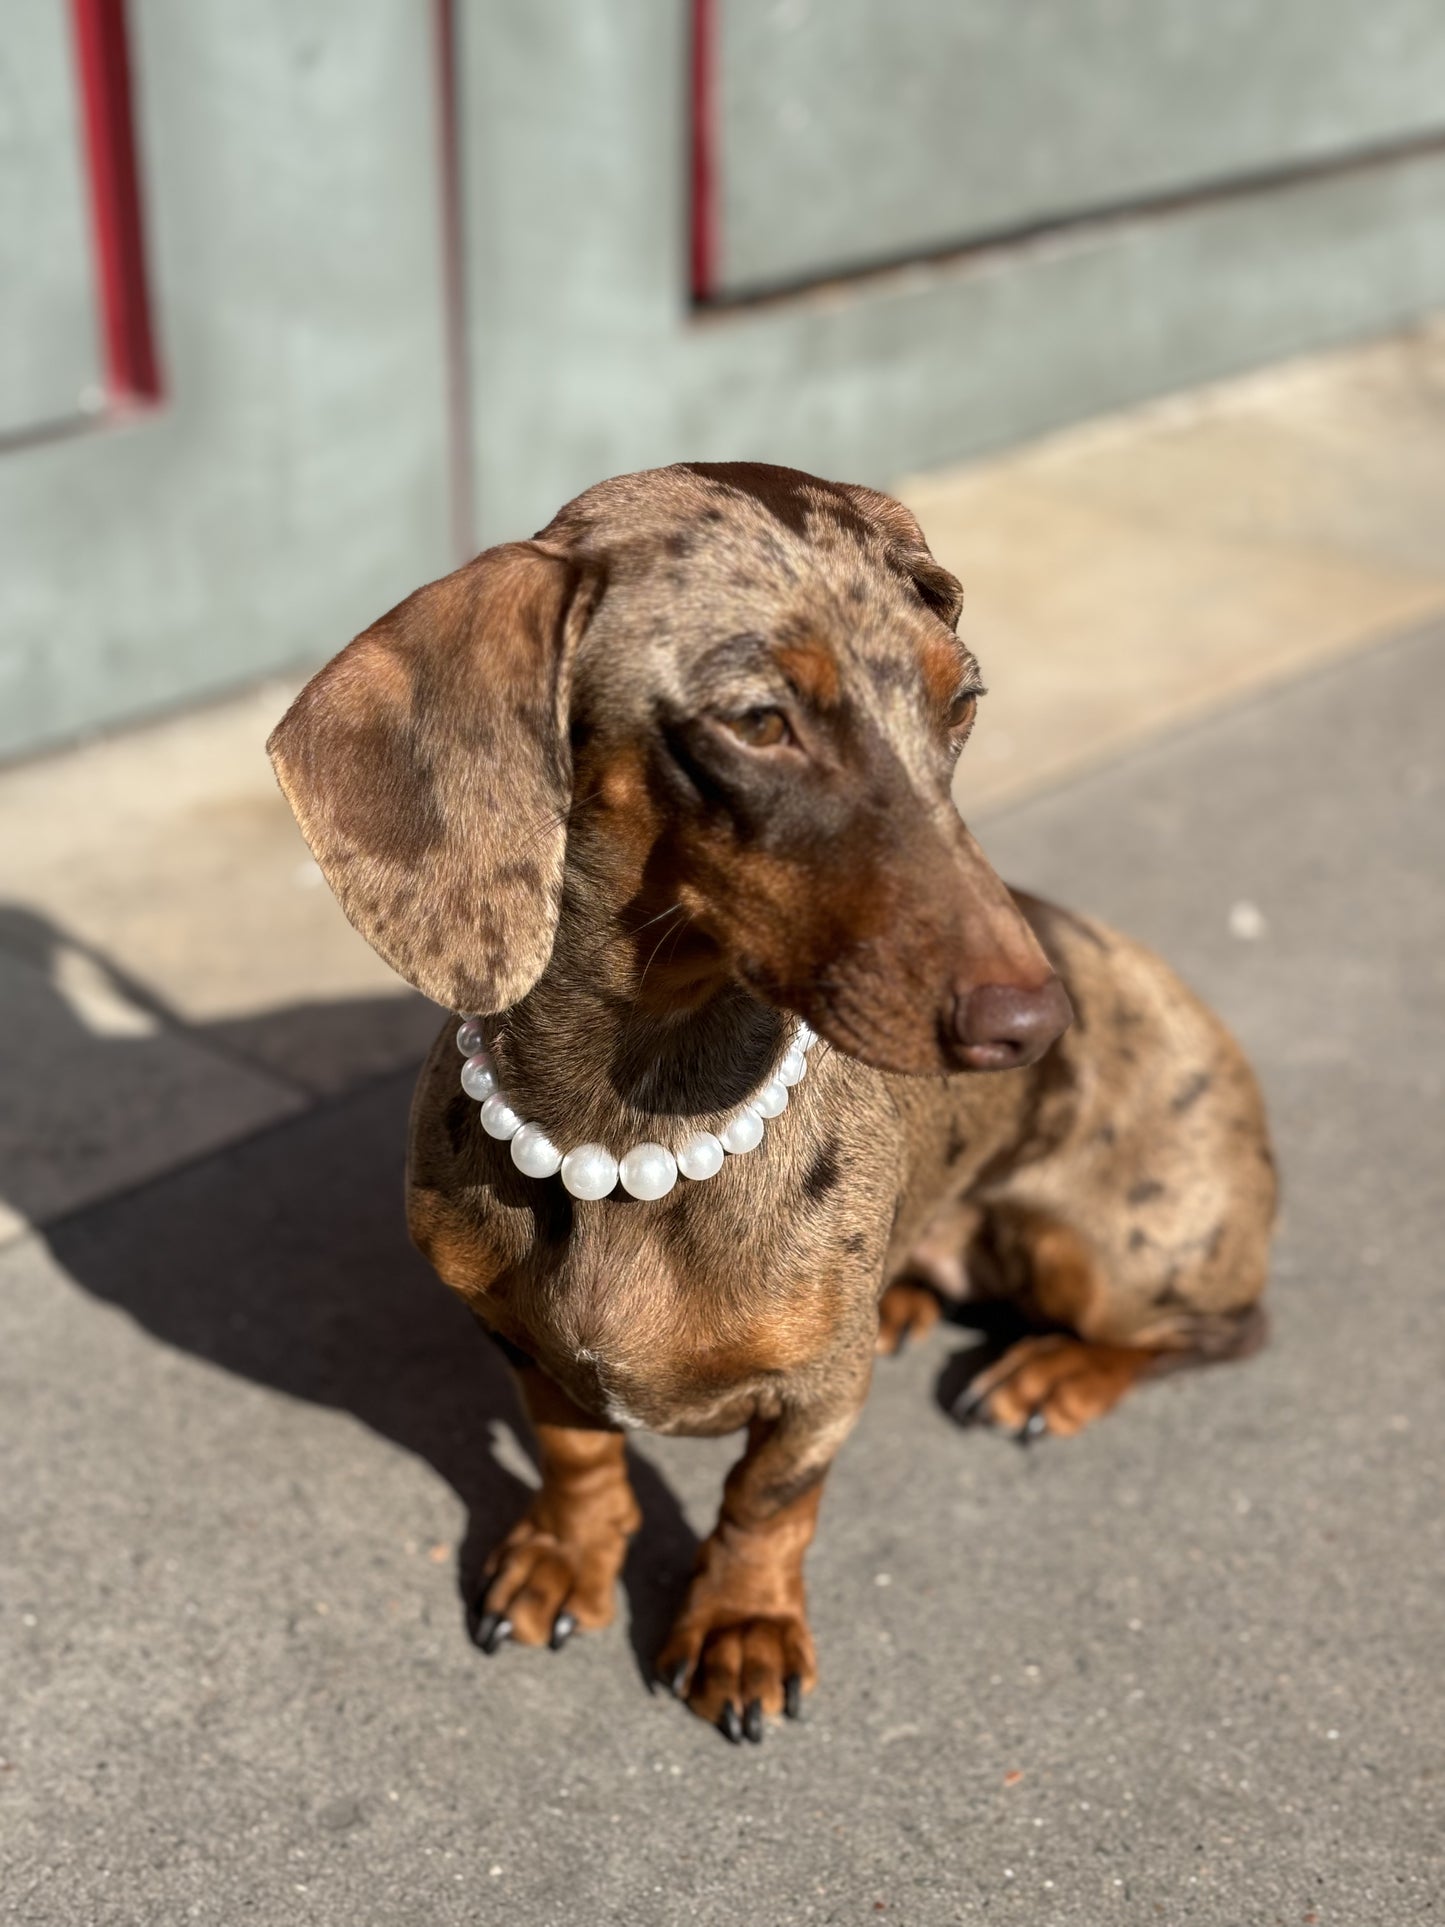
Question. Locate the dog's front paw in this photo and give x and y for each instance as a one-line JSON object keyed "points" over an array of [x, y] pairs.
{"points": [[741, 1646], [540, 1587], [732, 1667]]}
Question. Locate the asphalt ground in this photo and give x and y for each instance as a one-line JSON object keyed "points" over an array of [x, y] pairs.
{"points": [[1184, 1668]]}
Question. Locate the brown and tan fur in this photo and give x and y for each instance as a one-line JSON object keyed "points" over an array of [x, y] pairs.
{"points": [[635, 791]]}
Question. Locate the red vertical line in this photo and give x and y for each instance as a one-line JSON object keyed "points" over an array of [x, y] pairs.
{"points": [[460, 431], [702, 231], [103, 56]]}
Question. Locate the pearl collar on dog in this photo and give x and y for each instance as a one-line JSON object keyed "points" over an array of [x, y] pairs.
{"points": [[647, 1170]]}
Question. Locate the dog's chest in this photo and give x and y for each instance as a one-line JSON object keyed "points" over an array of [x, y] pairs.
{"points": [[665, 1339]]}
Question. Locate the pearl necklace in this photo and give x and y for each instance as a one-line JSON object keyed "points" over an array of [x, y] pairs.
{"points": [[647, 1170]]}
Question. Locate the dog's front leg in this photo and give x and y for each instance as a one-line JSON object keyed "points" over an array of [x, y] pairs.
{"points": [[741, 1646], [557, 1568]]}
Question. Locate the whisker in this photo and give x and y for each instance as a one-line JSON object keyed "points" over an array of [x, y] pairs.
{"points": [[652, 920], [677, 910]]}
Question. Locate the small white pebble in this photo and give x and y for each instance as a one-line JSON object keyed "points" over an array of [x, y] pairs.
{"points": [[494, 1871], [1246, 921], [1332, 1734], [883, 1578]]}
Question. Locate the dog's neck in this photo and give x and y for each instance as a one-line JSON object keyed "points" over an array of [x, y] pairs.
{"points": [[584, 1057]]}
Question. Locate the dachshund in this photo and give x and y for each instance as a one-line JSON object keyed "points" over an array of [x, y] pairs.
{"points": [[659, 803]]}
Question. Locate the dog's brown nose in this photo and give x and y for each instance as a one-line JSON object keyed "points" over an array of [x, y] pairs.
{"points": [[998, 1027]]}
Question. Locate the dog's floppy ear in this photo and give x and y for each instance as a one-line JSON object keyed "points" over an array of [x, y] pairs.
{"points": [[908, 551], [430, 770]]}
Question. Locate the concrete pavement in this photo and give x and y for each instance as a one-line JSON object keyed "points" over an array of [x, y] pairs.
{"points": [[1183, 1669]]}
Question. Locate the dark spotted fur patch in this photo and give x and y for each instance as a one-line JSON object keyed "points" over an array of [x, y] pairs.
{"points": [[1190, 1092], [823, 1173], [1145, 1191]]}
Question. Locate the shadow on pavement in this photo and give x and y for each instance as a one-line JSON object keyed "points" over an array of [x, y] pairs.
{"points": [[285, 1260]]}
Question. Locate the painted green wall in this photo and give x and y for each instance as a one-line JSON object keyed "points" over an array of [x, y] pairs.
{"points": [[587, 359], [294, 484], [297, 482], [851, 132]]}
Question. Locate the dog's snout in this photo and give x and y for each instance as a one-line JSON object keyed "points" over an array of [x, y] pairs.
{"points": [[998, 1027]]}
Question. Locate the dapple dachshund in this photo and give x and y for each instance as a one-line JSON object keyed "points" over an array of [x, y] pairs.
{"points": [[653, 801]]}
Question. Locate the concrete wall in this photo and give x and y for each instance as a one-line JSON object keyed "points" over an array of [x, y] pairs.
{"points": [[49, 354], [294, 482], [588, 357], [299, 474], [852, 133]]}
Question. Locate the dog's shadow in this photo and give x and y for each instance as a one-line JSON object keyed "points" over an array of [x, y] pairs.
{"points": [[285, 1260]]}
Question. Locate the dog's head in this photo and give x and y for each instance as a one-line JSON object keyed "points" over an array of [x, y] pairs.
{"points": [[729, 696]]}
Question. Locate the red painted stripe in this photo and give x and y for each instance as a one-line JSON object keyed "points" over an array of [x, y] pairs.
{"points": [[102, 50], [703, 222]]}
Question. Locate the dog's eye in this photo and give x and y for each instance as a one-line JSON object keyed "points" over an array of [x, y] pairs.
{"points": [[759, 728], [962, 710]]}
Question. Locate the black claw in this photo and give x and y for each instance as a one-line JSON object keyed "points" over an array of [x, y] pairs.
{"points": [[563, 1627], [753, 1720], [967, 1406], [793, 1696], [493, 1631], [1035, 1426], [676, 1680], [731, 1725]]}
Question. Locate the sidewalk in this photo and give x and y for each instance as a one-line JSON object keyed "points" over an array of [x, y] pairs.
{"points": [[1183, 1668]]}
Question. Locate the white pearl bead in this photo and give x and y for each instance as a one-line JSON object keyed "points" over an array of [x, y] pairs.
{"points": [[701, 1156], [498, 1117], [590, 1171], [743, 1132], [469, 1037], [772, 1099], [794, 1067], [534, 1153], [648, 1171], [806, 1036], [479, 1075]]}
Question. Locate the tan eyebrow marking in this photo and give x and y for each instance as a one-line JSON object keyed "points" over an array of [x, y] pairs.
{"points": [[944, 668], [810, 667]]}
